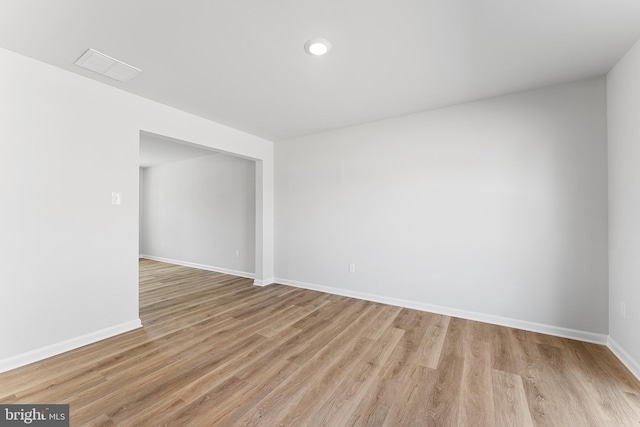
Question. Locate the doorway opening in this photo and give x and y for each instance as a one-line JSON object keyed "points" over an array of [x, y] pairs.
{"points": [[197, 206]]}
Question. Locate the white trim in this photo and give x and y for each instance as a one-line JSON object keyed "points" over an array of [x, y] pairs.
{"points": [[200, 266], [265, 282], [454, 312], [624, 357], [67, 345]]}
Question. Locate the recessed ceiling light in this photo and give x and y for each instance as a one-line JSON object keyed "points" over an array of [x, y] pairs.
{"points": [[317, 46], [107, 66]]}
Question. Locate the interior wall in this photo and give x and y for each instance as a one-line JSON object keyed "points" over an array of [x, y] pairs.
{"points": [[140, 207], [623, 92], [497, 207], [68, 257], [201, 211]]}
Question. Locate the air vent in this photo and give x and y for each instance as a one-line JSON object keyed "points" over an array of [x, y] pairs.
{"points": [[107, 66]]}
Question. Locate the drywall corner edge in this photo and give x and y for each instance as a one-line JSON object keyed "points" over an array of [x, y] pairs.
{"points": [[42, 353]]}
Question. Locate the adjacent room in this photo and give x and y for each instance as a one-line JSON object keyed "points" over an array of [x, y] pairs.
{"points": [[356, 213], [197, 207]]}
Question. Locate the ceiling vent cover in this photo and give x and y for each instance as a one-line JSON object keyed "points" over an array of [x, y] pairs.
{"points": [[107, 66]]}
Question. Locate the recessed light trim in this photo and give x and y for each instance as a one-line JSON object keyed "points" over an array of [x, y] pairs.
{"points": [[107, 66], [317, 46]]}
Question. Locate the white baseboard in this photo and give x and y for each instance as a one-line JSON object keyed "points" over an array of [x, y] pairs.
{"points": [[454, 312], [67, 345], [265, 282], [624, 357], [200, 266]]}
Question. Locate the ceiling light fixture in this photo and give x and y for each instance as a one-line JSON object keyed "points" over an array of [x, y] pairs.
{"points": [[107, 66], [317, 46]]}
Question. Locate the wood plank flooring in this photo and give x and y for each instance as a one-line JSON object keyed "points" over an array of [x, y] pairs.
{"points": [[217, 351]]}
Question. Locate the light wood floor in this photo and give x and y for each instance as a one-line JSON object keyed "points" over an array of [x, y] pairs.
{"points": [[216, 350]]}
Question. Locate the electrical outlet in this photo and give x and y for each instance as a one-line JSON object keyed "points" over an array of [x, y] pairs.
{"points": [[623, 310], [237, 253], [116, 198], [352, 268]]}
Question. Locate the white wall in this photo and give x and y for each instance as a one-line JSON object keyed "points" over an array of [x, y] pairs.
{"points": [[68, 258], [200, 211], [623, 96], [494, 209], [140, 207]]}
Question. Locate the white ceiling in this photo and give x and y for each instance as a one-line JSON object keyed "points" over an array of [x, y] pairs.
{"points": [[242, 63], [156, 150]]}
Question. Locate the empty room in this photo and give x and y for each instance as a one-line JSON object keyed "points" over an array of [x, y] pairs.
{"points": [[287, 213]]}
